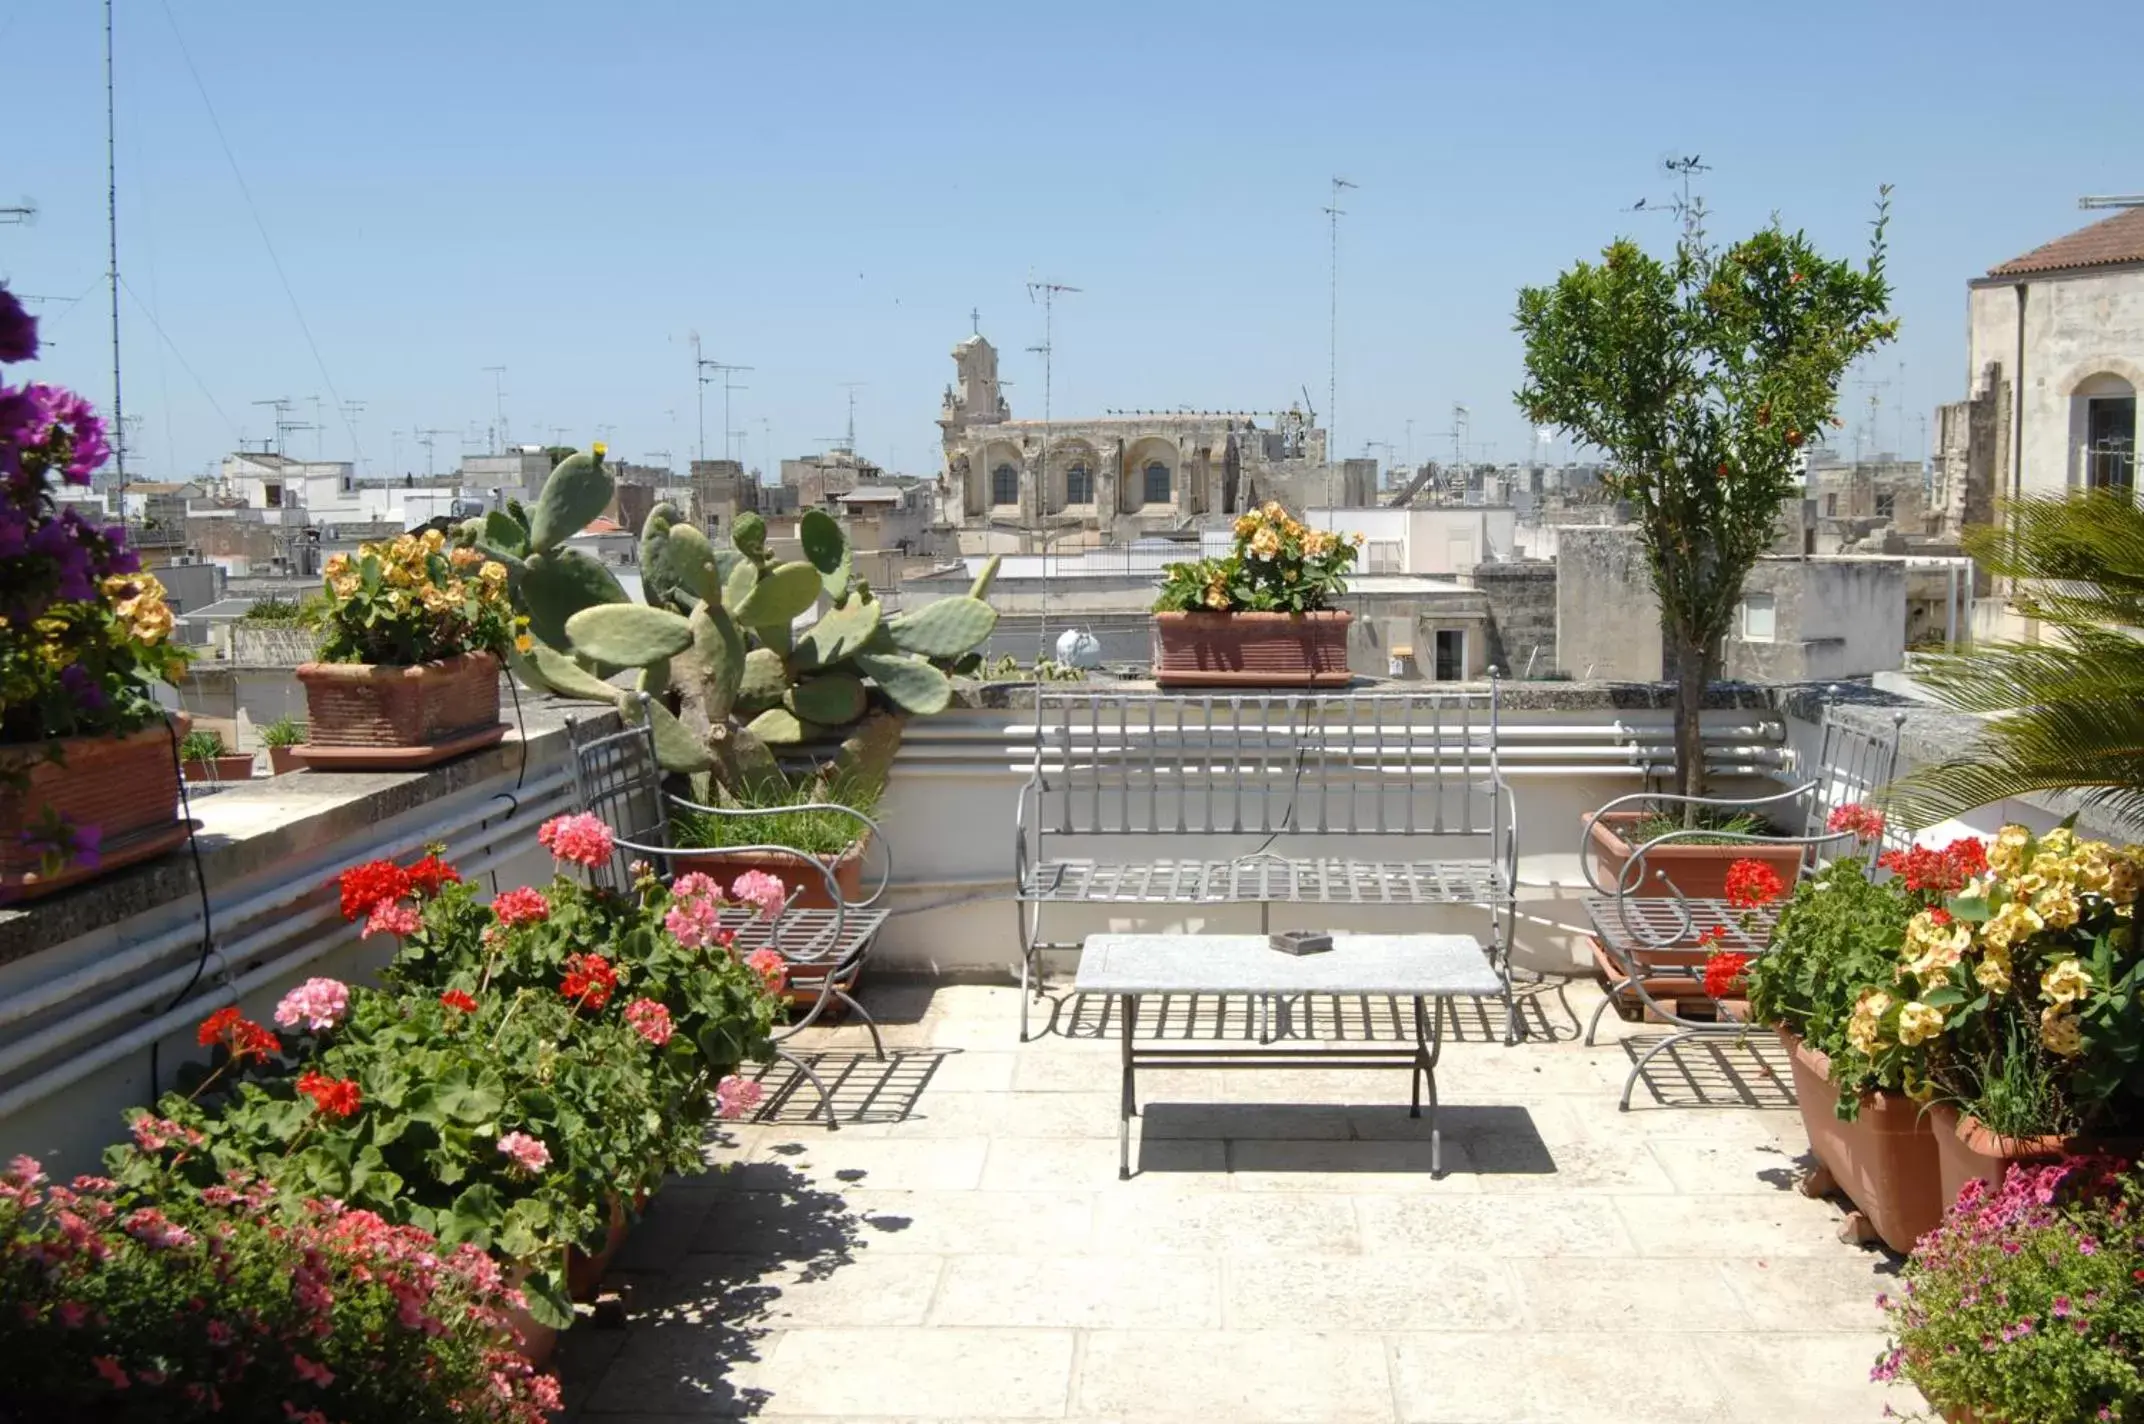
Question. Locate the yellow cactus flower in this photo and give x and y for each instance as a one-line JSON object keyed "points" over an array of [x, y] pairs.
{"points": [[2060, 1033], [600, 449], [1917, 1023], [2067, 982], [1993, 972]]}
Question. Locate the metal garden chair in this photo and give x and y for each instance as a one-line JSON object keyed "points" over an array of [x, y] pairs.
{"points": [[617, 777]]}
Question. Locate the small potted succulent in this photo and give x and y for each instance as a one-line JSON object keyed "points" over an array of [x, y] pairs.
{"points": [[206, 758], [88, 776], [282, 738], [1261, 616], [410, 651]]}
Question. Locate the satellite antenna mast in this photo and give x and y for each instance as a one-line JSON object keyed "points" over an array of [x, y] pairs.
{"points": [[111, 223], [728, 385], [1682, 166], [498, 398], [1047, 350], [1333, 213], [280, 405], [850, 387]]}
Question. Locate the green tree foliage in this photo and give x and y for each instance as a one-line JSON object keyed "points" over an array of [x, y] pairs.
{"points": [[1702, 379], [2066, 712]]}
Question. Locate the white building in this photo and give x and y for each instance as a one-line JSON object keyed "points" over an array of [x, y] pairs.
{"points": [[1442, 541], [2060, 332]]}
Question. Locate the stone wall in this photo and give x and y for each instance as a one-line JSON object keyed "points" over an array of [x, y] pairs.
{"points": [[2080, 330], [1607, 616], [1522, 616]]}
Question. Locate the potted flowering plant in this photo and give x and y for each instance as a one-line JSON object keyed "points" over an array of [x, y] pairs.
{"points": [[410, 650], [1836, 939], [156, 1301], [2017, 1005], [2023, 1305], [88, 778], [1261, 615]]}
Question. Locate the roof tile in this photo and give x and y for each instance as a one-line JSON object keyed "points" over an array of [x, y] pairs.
{"points": [[2105, 243]]}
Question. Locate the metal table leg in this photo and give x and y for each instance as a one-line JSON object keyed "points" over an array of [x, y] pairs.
{"points": [[1426, 1056], [1130, 1103]]}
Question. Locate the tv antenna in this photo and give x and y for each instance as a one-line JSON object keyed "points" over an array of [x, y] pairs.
{"points": [[2104, 200], [1333, 213], [427, 437], [728, 386], [351, 410], [498, 404], [284, 425], [850, 387], [111, 225], [24, 212], [1048, 351]]}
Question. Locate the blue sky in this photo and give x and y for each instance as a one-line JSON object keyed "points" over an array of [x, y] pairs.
{"points": [[824, 190]]}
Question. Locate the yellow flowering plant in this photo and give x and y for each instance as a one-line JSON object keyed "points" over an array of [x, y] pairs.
{"points": [[411, 599], [1277, 566], [2019, 997]]}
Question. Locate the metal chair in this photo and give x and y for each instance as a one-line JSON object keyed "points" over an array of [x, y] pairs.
{"points": [[1852, 763], [618, 778]]}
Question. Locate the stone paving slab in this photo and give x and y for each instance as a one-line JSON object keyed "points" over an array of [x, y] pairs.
{"points": [[1282, 1253]]}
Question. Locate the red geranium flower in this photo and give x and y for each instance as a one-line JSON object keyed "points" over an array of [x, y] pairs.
{"points": [[1926, 868], [237, 1033], [1863, 821], [589, 981], [431, 875], [335, 1097], [374, 882], [1751, 884], [1723, 974], [456, 999]]}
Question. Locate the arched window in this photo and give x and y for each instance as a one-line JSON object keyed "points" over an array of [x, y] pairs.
{"points": [[1157, 483], [1004, 485], [1079, 485]]}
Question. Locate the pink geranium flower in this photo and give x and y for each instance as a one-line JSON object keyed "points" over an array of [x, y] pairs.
{"points": [[388, 917], [770, 966], [735, 1096], [650, 1020], [582, 839], [527, 1154], [523, 905], [319, 1004], [756, 887], [694, 920]]}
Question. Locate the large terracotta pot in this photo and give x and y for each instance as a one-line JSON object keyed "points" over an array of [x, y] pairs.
{"points": [[584, 1273], [1884, 1160], [375, 717], [284, 760], [1966, 1148], [127, 787], [1251, 649], [807, 885], [238, 766], [534, 1341], [1699, 872]]}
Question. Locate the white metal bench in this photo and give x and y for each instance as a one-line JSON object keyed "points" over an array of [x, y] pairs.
{"points": [[1150, 798]]}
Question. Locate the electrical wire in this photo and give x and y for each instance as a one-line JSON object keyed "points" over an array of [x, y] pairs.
{"points": [[180, 357]]}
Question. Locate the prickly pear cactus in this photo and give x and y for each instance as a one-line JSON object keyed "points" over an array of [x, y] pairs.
{"points": [[721, 650]]}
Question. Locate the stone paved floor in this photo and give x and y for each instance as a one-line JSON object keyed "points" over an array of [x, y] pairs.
{"points": [[967, 1252]]}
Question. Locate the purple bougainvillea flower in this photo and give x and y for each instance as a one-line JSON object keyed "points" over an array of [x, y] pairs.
{"points": [[18, 329]]}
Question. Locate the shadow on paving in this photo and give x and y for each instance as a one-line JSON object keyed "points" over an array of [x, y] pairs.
{"points": [[1339, 1138], [700, 1279], [864, 1087], [1714, 1071]]}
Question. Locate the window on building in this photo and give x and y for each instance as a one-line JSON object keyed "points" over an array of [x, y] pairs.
{"points": [[272, 496], [1004, 485], [1384, 556], [1886, 505], [2110, 440], [1157, 483], [1451, 664], [1831, 506], [1079, 485], [1758, 618]]}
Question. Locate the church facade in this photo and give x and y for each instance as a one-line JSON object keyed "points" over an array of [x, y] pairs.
{"points": [[1114, 478]]}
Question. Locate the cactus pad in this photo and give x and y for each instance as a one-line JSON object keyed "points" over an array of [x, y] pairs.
{"points": [[913, 684], [949, 628], [833, 699], [557, 585], [628, 634], [828, 550], [780, 597], [579, 489], [842, 632]]}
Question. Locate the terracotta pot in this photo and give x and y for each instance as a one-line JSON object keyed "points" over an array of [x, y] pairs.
{"points": [[584, 1273], [376, 717], [127, 787], [1884, 1161], [1699, 872], [807, 884], [1967, 1148], [284, 760], [534, 1341], [238, 766], [1251, 649]]}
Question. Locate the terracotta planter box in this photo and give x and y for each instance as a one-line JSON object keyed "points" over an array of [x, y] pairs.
{"points": [[1251, 649], [1885, 1160], [374, 717], [1967, 1148], [1699, 872], [284, 760], [127, 787], [238, 766]]}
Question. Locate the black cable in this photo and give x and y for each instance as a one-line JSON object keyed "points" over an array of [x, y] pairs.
{"points": [[208, 933], [513, 690]]}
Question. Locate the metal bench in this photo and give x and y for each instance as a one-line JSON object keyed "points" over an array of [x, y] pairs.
{"points": [[617, 777], [1149, 798]]}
